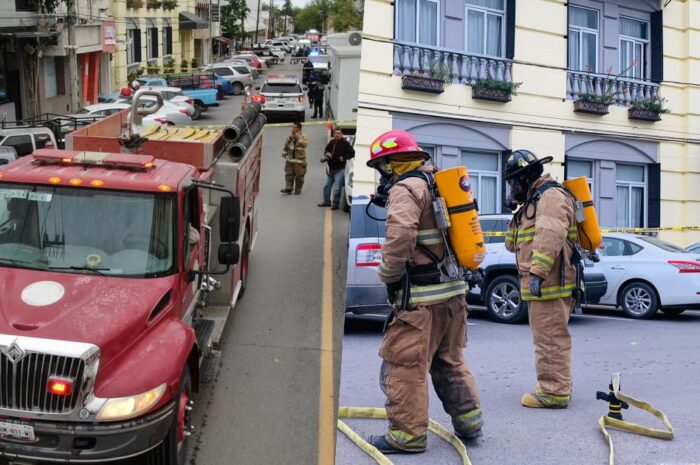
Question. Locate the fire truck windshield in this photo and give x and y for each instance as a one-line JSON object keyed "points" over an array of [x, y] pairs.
{"points": [[78, 230]]}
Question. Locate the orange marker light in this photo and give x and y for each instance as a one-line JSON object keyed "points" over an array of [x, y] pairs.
{"points": [[148, 165], [164, 188], [59, 386], [75, 182], [97, 183], [54, 180], [67, 160]]}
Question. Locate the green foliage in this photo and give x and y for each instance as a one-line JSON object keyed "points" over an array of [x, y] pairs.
{"points": [[194, 63], [346, 16], [153, 4], [184, 64], [153, 69], [133, 75], [232, 17], [49, 6], [169, 4], [441, 72], [656, 105], [134, 3], [317, 13], [605, 99], [510, 87]]}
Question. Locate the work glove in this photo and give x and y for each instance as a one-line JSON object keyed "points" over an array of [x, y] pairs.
{"points": [[536, 285]]}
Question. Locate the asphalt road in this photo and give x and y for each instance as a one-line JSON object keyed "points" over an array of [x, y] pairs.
{"points": [[264, 406]]}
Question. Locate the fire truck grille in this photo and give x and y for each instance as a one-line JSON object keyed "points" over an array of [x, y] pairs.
{"points": [[24, 383]]}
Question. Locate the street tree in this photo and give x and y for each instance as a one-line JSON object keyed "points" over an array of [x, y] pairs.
{"points": [[233, 16]]}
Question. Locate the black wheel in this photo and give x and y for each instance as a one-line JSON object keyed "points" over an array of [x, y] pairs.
{"points": [[245, 264], [197, 112], [673, 311], [639, 300], [173, 451], [503, 300], [237, 88]]}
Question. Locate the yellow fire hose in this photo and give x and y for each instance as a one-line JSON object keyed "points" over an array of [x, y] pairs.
{"points": [[380, 413], [633, 427]]}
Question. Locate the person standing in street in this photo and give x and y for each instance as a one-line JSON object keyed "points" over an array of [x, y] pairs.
{"points": [[310, 95], [318, 89], [294, 153], [337, 153], [427, 329], [543, 236]]}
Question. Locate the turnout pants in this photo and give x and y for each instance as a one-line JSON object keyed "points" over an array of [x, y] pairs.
{"points": [[550, 335], [428, 339], [294, 176]]}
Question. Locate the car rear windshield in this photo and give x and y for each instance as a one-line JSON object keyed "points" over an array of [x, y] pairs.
{"points": [[362, 225], [281, 88], [662, 244]]}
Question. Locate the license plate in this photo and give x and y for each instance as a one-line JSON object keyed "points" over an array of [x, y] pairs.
{"points": [[13, 430]]}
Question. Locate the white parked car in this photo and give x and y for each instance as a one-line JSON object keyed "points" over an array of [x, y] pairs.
{"points": [[102, 109], [646, 274], [168, 115], [175, 96], [237, 75]]}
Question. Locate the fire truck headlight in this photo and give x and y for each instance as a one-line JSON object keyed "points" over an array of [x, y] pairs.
{"points": [[122, 408]]}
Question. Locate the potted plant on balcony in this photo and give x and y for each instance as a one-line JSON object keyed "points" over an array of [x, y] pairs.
{"points": [[134, 3], [432, 83], [184, 65], [169, 66], [194, 64], [494, 90], [153, 69], [648, 109], [593, 104], [169, 4], [153, 3]]}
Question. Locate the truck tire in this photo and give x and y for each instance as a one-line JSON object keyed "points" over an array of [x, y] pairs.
{"points": [[503, 300], [237, 88], [173, 451], [245, 264]]}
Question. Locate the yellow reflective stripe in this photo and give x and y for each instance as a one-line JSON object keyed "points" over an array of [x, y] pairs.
{"points": [[543, 257], [435, 292], [428, 232], [430, 237], [408, 440], [551, 399], [549, 292], [389, 272], [526, 231]]}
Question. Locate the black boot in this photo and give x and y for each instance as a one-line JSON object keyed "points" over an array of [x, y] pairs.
{"points": [[386, 448]]}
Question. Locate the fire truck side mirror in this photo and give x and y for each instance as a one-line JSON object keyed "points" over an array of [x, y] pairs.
{"points": [[229, 253], [229, 219]]}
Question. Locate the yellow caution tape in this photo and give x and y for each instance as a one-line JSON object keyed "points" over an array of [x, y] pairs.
{"points": [[621, 230], [283, 125], [380, 413], [633, 427]]}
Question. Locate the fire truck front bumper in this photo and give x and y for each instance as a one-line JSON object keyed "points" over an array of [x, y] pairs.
{"points": [[87, 442]]}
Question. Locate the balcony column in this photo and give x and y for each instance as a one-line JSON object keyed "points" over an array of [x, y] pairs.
{"points": [[466, 67], [397, 60]]}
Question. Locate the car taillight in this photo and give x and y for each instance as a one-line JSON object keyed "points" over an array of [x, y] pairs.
{"points": [[160, 120], [190, 101], [685, 266], [301, 98], [184, 111], [368, 255], [259, 98], [59, 386]]}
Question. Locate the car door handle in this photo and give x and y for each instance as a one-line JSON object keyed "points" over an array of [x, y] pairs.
{"points": [[617, 267]]}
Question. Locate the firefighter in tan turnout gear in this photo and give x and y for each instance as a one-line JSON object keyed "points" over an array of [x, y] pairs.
{"points": [[543, 236], [426, 332], [294, 153]]}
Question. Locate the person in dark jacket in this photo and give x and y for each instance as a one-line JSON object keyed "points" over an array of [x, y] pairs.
{"points": [[306, 72], [318, 89], [338, 151], [310, 94]]}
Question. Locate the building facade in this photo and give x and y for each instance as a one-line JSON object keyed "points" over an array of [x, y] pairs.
{"points": [[154, 33], [581, 66], [54, 62]]}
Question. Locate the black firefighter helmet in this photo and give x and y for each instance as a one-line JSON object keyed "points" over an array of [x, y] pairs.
{"points": [[521, 162]]}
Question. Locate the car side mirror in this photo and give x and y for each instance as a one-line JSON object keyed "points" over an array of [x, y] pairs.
{"points": [[229, 254], [229, 218]]}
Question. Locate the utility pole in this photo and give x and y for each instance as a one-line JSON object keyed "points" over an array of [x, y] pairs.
{"points": [[270, 26], [73, 71], [257, 23], [207, 57]]}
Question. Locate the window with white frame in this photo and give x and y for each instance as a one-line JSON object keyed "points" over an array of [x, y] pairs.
{"points": [[581, 168], [583, 39], [417, 21], [485, 178], [631, 196], [131, 40], [634, 40], [152, 44], [484, 27]]}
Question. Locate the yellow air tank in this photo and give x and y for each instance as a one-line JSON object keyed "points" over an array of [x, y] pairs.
{"points": [[464, 232], [588, 230]]}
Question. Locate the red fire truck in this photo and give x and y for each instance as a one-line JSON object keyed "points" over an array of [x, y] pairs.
{"points": [[120, 259]]}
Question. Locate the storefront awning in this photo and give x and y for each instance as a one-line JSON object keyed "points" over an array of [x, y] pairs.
{"points": [[192, 21], [222, 39]]}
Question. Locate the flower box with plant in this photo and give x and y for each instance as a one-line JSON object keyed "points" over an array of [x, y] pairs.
{"points": [[194, 63], [153, 70], [153, 3], [133, 75], [134, 4], [648, 109], [169, 66], [169, 4], [184, 65], [593, 104], [432, 83], [494, 90]]}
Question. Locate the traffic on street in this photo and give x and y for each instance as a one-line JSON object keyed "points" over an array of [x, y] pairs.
{"points": [[316, 249]]}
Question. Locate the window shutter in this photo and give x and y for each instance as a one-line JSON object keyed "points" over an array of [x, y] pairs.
{"points": [[657, 46], [169, 40], [137, 45], [154, 43], [654, 201], [504, 193], [510, 29]]}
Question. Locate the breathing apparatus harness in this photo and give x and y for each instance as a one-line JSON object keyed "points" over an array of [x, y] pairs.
{"points": [[579, 292], [441, 270]]}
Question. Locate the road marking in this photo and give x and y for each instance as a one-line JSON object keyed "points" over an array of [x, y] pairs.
{"points": [[326, 410]]}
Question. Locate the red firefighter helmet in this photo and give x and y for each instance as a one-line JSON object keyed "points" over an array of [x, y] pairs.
{"points": [[393, 143]]}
